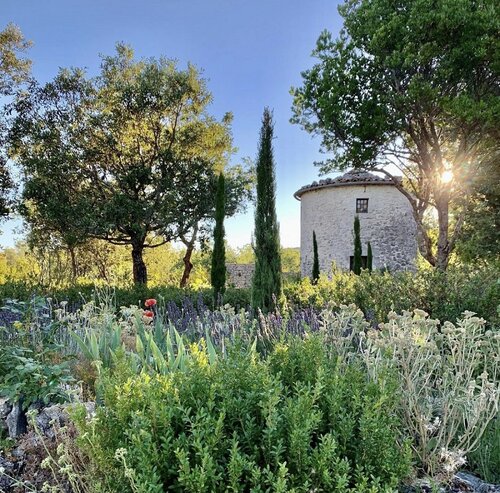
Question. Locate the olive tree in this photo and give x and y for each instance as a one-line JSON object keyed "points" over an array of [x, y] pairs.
{"points": [[123, 156]]}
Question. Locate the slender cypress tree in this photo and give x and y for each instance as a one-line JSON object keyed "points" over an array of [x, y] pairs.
{"points": [[315, 272], [267, 283], [218, 272], [356, 267], [369, 258]]}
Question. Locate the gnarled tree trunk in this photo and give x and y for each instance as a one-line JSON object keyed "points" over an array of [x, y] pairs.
{"points": [[74, 264], [443, 246], [139, 266], [188, 265]]}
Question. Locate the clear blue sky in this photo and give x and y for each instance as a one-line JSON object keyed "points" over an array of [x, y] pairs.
{"points": [[251, 52]]}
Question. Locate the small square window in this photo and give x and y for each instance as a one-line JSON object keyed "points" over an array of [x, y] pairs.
{"points": [[361, 205]]}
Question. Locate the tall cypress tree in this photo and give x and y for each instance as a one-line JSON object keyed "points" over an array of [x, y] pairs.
{"points": [[356, 267], [267, 283], [218, 272], [315, 271], [369, 258]]}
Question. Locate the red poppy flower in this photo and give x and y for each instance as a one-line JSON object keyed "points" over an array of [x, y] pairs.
{"points": [[148, 313], [150, 302]]}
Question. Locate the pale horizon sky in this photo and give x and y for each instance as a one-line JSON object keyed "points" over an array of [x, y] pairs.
{"points": [[252, 53]]}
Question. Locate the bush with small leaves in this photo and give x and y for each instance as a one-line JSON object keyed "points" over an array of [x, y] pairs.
{"points": [[296, 421]]}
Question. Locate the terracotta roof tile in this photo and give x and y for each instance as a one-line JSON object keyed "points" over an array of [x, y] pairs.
{"points": [[352, 177]]}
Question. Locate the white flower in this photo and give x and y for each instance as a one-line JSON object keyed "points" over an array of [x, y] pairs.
{"points": [[45, 463], [420, 313], [120, 453]]}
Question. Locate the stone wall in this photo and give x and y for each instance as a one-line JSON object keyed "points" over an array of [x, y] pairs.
{"points": [[388, 225], [239, 275]]}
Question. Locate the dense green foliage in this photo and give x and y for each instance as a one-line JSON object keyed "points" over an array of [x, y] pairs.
{"points": [[369, 257], [30, 376], [14, 69], [362, 381], [443, 295], [133, 295], [267, 283], [292, 402], [480, 238], [413, 84], [298, 420], [356, 263], [218, 272], [129, 156], [49, 266], [315, 269]]}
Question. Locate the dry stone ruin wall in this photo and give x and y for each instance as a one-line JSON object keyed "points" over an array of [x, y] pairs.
{"points": [[239, 275]]}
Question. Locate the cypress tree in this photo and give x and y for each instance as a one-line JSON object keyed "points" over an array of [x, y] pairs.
{"points": [[218, 271], [369, 258], [356, 267], [315, 271], [266, 283]]}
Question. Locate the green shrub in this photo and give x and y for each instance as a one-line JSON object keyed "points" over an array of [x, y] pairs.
{"points": [[135, 295], [445, 296], [299, 421], [238, 297], [447, 376], [485, 460], [31, 377]]}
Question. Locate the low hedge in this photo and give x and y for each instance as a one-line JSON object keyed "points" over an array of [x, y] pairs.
{"points": [[445, 296]]}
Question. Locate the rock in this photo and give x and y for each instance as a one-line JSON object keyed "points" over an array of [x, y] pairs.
{"points": [[50, 416], [35, 406], [422, 486], [6, 474], [463, 479], [89, 406], [461, 483], [5, 409], [16, 420], [18, 453]]}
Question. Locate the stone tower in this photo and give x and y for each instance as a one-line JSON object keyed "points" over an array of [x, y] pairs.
{"points": [[329, 206]]}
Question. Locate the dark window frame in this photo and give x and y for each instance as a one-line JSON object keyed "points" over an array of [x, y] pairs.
{"points": [[361, 206]]}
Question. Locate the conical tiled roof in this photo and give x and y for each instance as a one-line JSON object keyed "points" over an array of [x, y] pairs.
{"points": [[352, 177]]}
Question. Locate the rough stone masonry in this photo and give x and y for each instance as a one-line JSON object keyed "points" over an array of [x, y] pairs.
{"points": [[329, 206]]}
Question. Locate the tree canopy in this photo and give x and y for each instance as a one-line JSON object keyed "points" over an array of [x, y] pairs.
{"points": [[126, 156], [14, 66], [414, 85], [480, 237], [14, 69]]}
